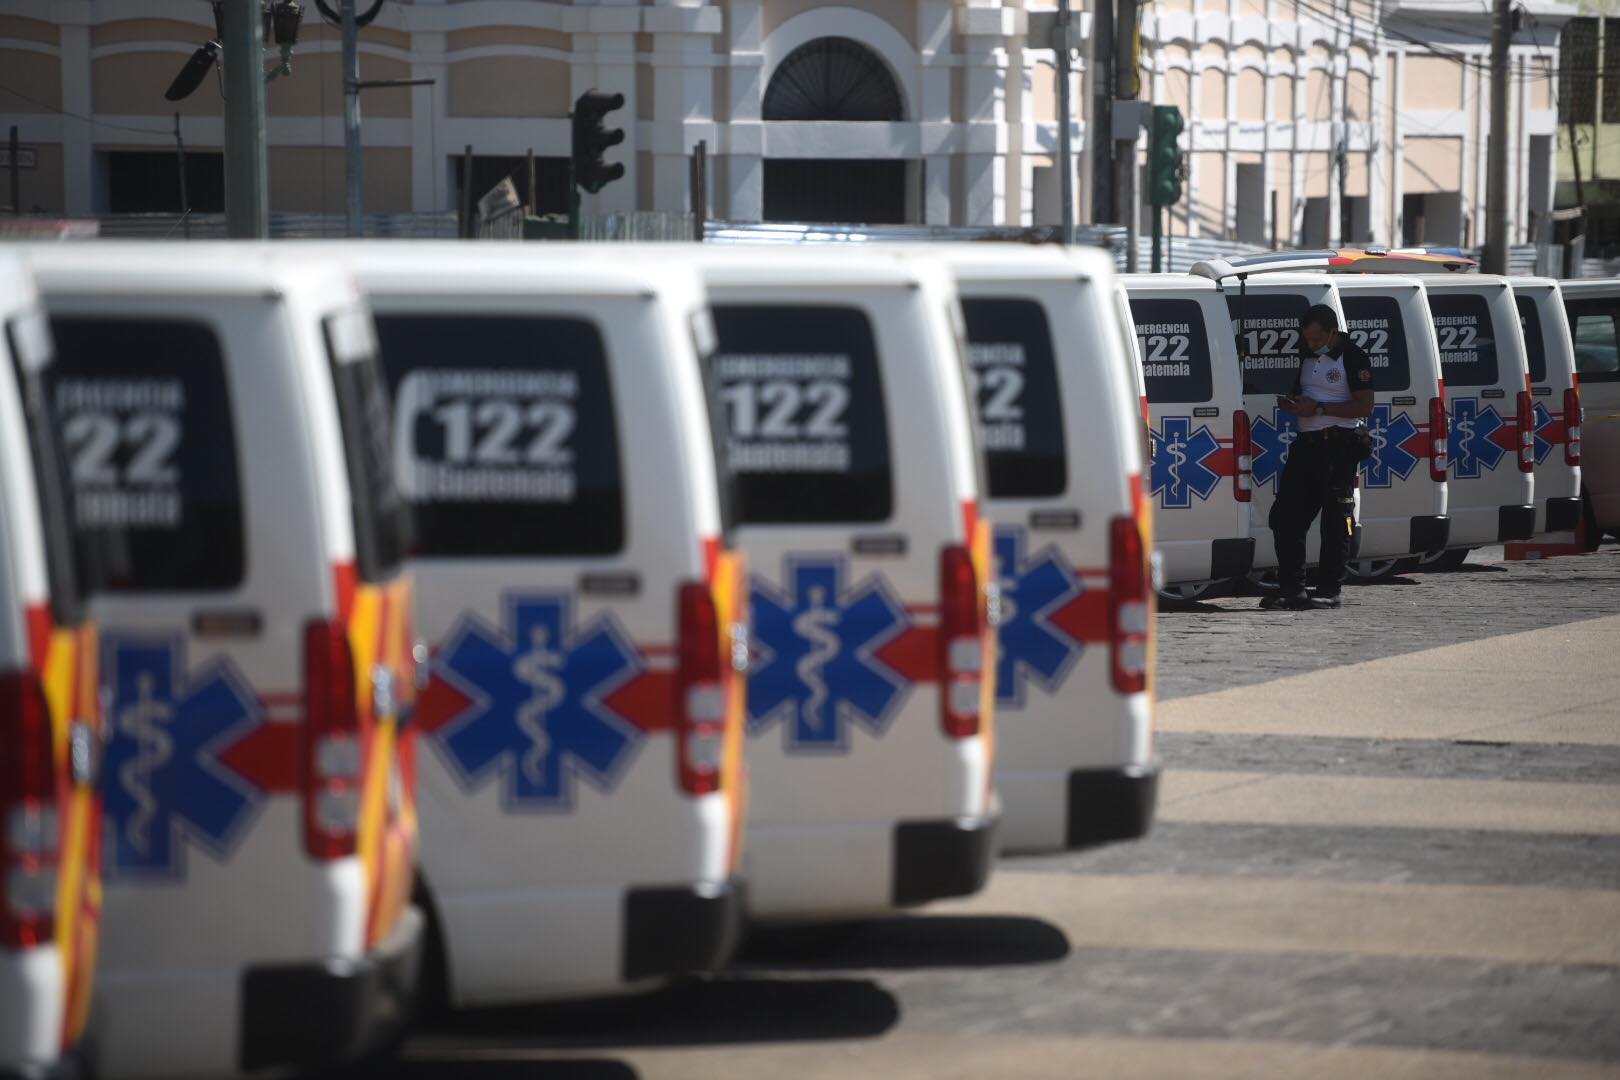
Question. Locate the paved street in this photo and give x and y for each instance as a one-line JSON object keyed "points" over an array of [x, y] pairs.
{"points": [[1388, 846]]}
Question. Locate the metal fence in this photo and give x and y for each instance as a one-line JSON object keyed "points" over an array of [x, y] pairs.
{"points": [[283, 226]]}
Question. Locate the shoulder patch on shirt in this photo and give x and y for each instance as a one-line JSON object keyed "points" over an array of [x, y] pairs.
{"points": [[1364, 375]]}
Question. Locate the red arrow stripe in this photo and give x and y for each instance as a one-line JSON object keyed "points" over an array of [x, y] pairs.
{"points": [[266, 757], [1085, 618], [1222, 462], [439, 704], [913, 654], [647, 701]]}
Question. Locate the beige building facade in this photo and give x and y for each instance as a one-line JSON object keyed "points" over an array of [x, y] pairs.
{"points": [[929, 111]]}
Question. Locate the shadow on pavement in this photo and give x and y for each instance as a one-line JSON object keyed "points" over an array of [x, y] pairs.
{"points": [[447, 1065], [1364, 583], [907, 941], [700, 1011]]}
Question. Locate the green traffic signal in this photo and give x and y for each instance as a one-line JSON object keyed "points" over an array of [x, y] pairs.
{"points": [[1164, 156]]}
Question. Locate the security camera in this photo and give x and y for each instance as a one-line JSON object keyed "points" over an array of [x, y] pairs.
{"points": [[192, 75]]}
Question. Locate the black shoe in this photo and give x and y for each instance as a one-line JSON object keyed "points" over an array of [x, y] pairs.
{"points": [[1279, 602], [1325, 603]]}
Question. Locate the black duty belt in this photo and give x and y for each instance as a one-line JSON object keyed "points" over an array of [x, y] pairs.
{"points": [[1335, 432]]}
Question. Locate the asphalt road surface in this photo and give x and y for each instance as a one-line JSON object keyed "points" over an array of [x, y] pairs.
{"points": [[1388, 846]]}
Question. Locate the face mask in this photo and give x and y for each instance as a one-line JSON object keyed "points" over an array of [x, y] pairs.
{"points": [[1324, 350]]}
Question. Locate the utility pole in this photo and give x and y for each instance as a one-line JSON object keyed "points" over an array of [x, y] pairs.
{"points": [[1496, 165], [1060, 45], [1100, 121], [1127, 173], [354, 176], [247, 202]]}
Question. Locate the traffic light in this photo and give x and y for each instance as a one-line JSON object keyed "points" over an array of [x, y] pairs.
{"points": [[591, 139], [1164, 156]]}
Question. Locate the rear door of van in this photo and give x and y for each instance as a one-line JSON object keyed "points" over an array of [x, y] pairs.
{"points": [[1593, 309], [1483, 360], [1554, 388], [1403, 485], [1198, 478]]}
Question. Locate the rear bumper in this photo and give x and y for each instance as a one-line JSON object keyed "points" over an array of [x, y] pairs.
{"points": [[668, 931], [1563, 513], [1109, 805], [1230, 558], [70, 1066], [937, 859], [318, 1014], [1515, 522], [1430, 533]]}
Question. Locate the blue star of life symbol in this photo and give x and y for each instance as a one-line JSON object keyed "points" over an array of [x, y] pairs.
{"points": [[163, 782], [818, 673], [1544, 445], [1471, 430], [1032, 589], [1390, 458], [537, 717], [1270, 440], [1178, 470]]}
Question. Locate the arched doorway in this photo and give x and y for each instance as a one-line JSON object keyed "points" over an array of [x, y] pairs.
{"points": [[834, 79]]}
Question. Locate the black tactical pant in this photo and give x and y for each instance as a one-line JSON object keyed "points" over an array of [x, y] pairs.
{"points": [[1319, 478]]}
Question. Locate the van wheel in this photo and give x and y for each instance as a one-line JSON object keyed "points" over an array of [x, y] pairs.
{"points": [[1592, 536], [1186, 594], [433, 983], [1263, 582], [1374, 569]]}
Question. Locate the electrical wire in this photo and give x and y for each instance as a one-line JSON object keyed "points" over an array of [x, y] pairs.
{"points": [[78, 116]]}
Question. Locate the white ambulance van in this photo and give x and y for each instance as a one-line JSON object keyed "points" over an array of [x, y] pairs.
{"points": [[1403, 485], [1491, 486], [1555, 400], [236, 520], [1060, 424], [1270, 306], [51, 730], [1199, 472], [870, 700], [1593, 310], [581, 792]]}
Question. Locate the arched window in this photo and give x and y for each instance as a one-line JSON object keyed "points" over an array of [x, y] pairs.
{"points": [[832, 78]]}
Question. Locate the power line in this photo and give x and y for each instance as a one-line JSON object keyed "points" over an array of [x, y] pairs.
{"points": [[78, 116]]}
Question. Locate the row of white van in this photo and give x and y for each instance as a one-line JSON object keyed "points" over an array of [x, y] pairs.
{"points": [[650, 589], [1476, 428]]}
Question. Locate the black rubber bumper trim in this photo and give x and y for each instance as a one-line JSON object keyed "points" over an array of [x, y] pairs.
{"points": [[72, 1065], [1515, 522], [1109, 805], [936, 859], [319, 1014], [1430, 532], [1564, 513], [671, 930], [1230, 558]]}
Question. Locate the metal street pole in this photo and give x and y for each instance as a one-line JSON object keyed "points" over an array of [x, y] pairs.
{"points": [[1100, 119], [1060, 43], [247, 201], [1496, 164], [353, 174], [1128, 174]]}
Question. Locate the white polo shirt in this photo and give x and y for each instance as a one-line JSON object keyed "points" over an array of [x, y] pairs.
{"points": [[1325, 379]]}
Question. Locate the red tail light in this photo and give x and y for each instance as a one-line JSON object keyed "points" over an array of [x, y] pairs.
{"points": [[1439, 439], [1572, 425], [1527, 432], [961, 643], [30, 842], [1128, 613], [700, 729], [333, 746], [1242, 457]]}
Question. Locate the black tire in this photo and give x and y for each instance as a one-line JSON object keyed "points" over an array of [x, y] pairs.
{"points": [[360, 19], [1370, 570], [1444, 561], [1591, 536], [1186, 594]]}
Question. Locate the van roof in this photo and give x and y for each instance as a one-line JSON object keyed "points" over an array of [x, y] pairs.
{"points": [[1590, 286], [1376, 282], [459, 267], [1168, 282], [1462, 281], [771, 264], [223, 269], [1281, 278], [1011, 261]]}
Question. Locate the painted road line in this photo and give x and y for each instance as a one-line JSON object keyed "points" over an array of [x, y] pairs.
{"points": [[1288, 799], [1537, 686], [1520, 924]]}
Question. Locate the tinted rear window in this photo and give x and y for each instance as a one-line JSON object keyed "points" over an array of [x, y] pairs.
{"points": [[1269, 344], [29, 339], [1019, 401], [1462, 329], [505, 434], [145, 415], [1595, 328], [1375, 323], [807, 434], [1535, 347], [381, 525], [1174, 342]]}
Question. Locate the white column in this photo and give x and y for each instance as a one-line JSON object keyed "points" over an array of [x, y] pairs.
{"points": [[745, 139], [615, 56], [983, 26], [78, 140], [683, 112], [933, 111], [429, 116]]}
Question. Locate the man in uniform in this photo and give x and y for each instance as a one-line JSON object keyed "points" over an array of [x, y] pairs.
{"points": [[1333, 395]]}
